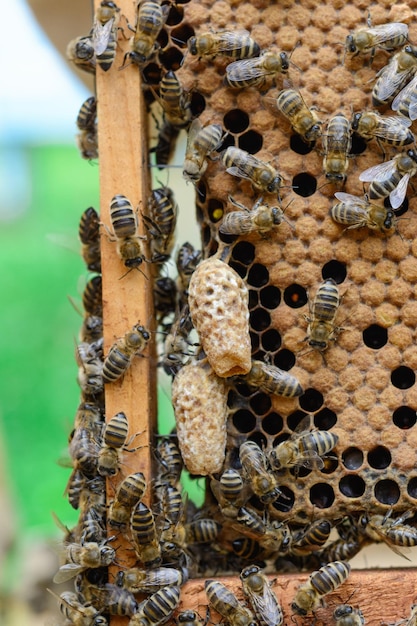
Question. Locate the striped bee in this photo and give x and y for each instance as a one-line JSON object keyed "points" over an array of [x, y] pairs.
{"points": [[201, 142], [125, 228], [309, 595], [386, 36], [337, 142], [257, 588], [237, 44], [321, 325], [391, 178], [263, 176], [122, 351], [272, 379], [254, 72], [400, 69], [104, 35], [355, 212]]}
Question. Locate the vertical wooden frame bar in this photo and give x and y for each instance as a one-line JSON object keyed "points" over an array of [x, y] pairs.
{"points": [[127, 297]]}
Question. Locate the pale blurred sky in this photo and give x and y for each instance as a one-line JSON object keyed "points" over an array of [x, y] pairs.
{"points": [[39, 96]]}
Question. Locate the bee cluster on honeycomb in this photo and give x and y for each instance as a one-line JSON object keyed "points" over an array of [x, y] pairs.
{"points": [[298, 403]]}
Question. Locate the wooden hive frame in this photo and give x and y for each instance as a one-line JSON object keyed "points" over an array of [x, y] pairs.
{"points": [[382, 595]]}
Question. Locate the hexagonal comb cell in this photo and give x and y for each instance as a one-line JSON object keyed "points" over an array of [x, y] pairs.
{"points": [[362, 386]]}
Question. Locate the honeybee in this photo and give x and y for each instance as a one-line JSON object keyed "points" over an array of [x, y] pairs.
{"points": [[90, 417], [83, 449], [346, 615], [311, 538], [191, 618], [93, 495], [165, 146], [170, 461], [256, 469], [80, 51], [113, 599], [104, 34], [201, 142], [122, 351], [391, 178], [392, 532], [91, 527], [321, 327], [80, 557], [341, 550], [144, 535], [254, 72], [157, 608], [237, 44], [394, 76], [90, 368], [130, 491], [151, 17], [114, 441], [393, 130], [92, 297], [303, 449], [303, 120], [272, 379], [164, 298], [309, 595], [125, 227], [273, 536], [261, 219], [405, 102], [264, 602], [176, 346], [87, 142], [244, 165], [386, 36], [174, 100], [187, 260], [247, 548], [86, 117], [355, 212], [170, 503], [76, 612], [161, 222], [225, 602], [89, 234], [337, 142], [229, 492], [148, 581]]}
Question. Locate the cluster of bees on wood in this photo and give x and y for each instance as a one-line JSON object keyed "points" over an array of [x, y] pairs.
{"points": [[233, 532]]}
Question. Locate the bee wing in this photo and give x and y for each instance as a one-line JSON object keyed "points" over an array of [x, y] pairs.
{"points": [[380, 34], [193, 131], [250, 163], [351, 200], [231, 40], [101, 35], [266, 605], [245, 225], [245, 69], [379, 172], [391, 80], [409, 91], [412, 111], [67, 571], [397, 195], [311, 460], [392, 127], [389, 543]]}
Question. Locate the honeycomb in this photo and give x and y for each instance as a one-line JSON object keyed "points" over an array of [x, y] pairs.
{"points": [[363, 387]]}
